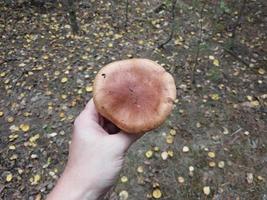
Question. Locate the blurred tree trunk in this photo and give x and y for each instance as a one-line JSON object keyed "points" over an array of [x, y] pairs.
{"points": [[72, 16]]}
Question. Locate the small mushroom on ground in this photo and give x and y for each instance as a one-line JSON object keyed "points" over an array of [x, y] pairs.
{"points": [[135, 94]]}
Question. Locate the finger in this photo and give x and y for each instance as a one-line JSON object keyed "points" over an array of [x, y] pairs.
{"points": [[127, 139], [91, 111], [89, 114]]}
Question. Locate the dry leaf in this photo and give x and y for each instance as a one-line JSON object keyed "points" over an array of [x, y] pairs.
{"points": [[156, 193], [206, 190]]}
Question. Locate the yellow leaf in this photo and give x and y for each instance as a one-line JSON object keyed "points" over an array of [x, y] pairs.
{"points": [[140, 169], [9, 177], [211, 57], [216, 62], [12, 137], [12, 147], [221, 164], [45, 57], [61, 114], [141, 42], [186, 149], [212, 164], [124, 179], [249, 178], [170, 153], [191, 168], [34, 138], [13, 157], [24, 127], [123, 195], [89, 88], [215, 97], [156, 193], [169, 139], [10, 119], [211, 154], [1, 113], [64, 80], [149, 153], [80, 91], [181, 179], [261, 71], [164, 155], [156, 148], [255, 103], [173, 132], [63, 96], [249, 98], [117, 36], [57, 73], [206, 190], [35, 179], [84, 57], [110, 45]]}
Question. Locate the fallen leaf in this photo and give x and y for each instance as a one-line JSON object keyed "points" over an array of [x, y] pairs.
{"points": [[212, 164], [124, 179], [156, 193], [211, 154], [211, 57], [64, 80], [35, 179], [24, 127], [164, 155], [89, 88], [215, 97], [221, 164], [10, 119], [172, 132], [149, 153], [206, 190], [261, 71], [249, 178], [216, 62], [169, 139], [170, 153], [9, 177], [186, 149], [12, 147], [181, 179], [123, 195]]}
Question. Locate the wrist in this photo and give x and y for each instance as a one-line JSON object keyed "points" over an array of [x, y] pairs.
{"points": [[70, 187]]}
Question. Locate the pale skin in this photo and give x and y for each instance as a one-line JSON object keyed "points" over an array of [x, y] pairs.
{"points": [[95, 158]]}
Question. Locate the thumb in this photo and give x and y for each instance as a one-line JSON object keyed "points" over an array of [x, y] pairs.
{"points": [[126, 139]]}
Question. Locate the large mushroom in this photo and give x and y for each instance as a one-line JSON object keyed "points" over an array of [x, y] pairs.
{"points": [[135, 94]]}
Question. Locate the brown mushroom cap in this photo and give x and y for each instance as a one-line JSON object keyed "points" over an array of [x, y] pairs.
{"points": [[136, 94]]}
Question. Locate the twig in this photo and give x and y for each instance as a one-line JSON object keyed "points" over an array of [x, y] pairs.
{"points": [[235, 56], [172, 27], [238, 130], [193, 77]]}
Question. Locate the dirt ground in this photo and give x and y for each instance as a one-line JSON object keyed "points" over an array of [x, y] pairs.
{"points": [[214, 144]]}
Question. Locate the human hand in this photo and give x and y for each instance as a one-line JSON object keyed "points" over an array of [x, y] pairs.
{"points": [[95, 159]]}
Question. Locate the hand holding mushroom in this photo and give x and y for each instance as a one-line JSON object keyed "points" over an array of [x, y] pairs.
{"points": [[136, 95]]}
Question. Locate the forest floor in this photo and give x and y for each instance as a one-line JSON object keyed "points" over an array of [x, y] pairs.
{"points": [[214, 144]]}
